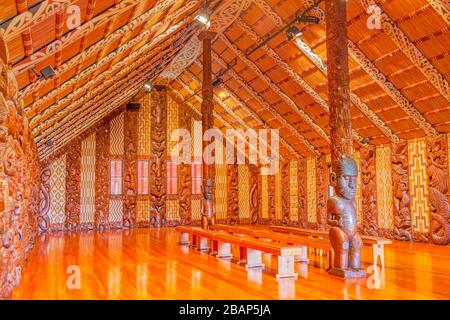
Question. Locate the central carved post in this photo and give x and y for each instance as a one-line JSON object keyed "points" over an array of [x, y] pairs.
{"points": [[208, 207], [341, 207]]}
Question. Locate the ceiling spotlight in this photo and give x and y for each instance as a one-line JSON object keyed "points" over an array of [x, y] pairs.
{"points": [[308, 19], [148, 87], [217, 83], [293, 32], [204, 18]]}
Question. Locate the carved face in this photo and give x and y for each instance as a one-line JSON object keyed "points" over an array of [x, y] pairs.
{"points": [[346, 172], [208, 190]]}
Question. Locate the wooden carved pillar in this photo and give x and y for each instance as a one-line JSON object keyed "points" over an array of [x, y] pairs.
{"points": [[44, 200], [439, 195], [232, 193], [207, 102], [322, 191], [130, 168], [102, 180], [254, 193], [184, 177], [400, 184], [158, 170], [369, 191], [73, 186], [302, 194], [285, 194], [338, 79]]}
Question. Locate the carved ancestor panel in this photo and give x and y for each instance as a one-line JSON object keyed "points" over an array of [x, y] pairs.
{"points": [[19, 184], [278, 197], [369, 191], [293, 191], [264, 198], [87, 183], [130, 171], [73, 187], [384, 191], [302, 193], [158, 157], [322, 191], [400, 192], [271, 199], [221, 192], [418, 181], [437, 170], [243, 194], [102, 177], [44, 201], [311, 190], [255, 194], [233, 194], [284, 186], [57, 212], [184, 170]]}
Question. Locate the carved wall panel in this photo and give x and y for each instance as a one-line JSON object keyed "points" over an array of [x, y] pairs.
{"points": [[385, 206], [115, 217], [102, 181], [44, 201], [73, 188], [302, 193], [57, 213], [117, 135], [130, 171], [311, 190], [243, 194], [284, 185], [255, 194], [158, 156], [322, 191], [271, 199], [143, 211], [87, 183], [400, 192], [19, 185], [418, 181], [233, 194], [264, 198], [437, 170], [278, 198], [293, 191], [369, 191]]}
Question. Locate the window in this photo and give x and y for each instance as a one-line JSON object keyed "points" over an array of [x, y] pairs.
{"points": [[172, 180], [142, 177], [116, 177], [196, 177]]}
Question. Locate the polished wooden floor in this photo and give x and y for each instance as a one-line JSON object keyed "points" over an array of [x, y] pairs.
{"points": [[148, 264]]}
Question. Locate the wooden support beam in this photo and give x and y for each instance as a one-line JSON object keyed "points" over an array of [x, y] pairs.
{"points": [[338, 79]]}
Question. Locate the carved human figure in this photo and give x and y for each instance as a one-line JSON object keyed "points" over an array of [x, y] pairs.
{"points": [[342, 218], [208, 205]]}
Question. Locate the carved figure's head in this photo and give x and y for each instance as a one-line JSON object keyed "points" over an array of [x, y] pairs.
{"points": [[208, 189], [343, 177]]}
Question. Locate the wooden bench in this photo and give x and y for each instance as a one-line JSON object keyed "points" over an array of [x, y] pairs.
{"points": [[377, 243], [250, 251]]}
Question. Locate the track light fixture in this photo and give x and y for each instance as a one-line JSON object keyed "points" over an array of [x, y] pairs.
{"points": [[148, 87], [308, 19], [204, 17], [293, 32]]}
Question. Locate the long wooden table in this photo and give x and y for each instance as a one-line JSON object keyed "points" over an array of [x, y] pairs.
{"points": [[377, 243]]}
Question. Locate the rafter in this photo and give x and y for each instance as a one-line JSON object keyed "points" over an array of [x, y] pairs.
{"points": [[221, 119], [442, 7], [372, 116], [254, 115], [103, 43], [367, 65], [241, 122], [267, 106], [128, 61], [402, 41], [139, 73]]}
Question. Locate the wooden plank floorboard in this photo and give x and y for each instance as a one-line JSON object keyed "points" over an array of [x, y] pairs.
{"points": [[149, 264]]}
